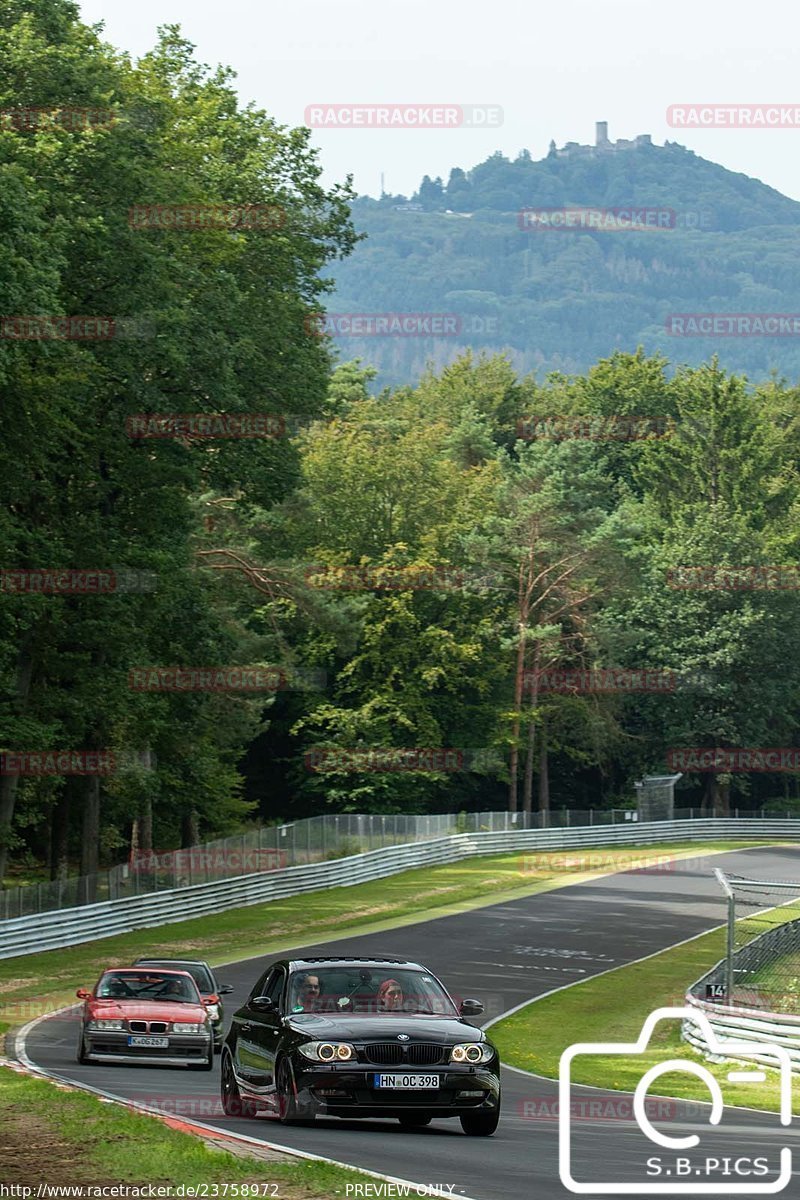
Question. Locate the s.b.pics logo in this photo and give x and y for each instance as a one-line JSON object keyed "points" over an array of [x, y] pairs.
{"points": [[715, 1160]]}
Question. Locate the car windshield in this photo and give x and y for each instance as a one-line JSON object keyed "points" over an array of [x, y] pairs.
{"points": [[366, 990], [198, 971], [147, 984]]}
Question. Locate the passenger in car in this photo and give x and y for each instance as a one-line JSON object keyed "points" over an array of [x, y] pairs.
{"points": [[389, 996]]}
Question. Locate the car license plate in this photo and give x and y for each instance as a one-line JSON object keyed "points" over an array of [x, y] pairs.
{"points": [[157, 1043], [407, 1082]]}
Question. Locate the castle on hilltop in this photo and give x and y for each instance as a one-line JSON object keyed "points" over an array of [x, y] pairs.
{"points": [[601, 144]]}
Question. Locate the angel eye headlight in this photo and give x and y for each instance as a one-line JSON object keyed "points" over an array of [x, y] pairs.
{"points": [[471, 1052], [327, 1051]]}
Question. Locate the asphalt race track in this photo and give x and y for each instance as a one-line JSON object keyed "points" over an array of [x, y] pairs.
{"points": [[504, 954]]}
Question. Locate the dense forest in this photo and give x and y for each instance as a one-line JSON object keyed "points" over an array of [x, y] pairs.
{"points": [[559, 299], [368, 601]]}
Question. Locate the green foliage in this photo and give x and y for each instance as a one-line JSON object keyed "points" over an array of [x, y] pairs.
{"points": [[560, 300]]}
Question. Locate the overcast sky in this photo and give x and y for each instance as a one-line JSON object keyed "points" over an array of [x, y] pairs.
{"points": [[554, 69]]}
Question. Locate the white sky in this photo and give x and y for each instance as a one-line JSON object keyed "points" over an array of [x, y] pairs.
{"points": [[555, 68]]}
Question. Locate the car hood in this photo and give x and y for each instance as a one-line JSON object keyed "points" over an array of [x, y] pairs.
{"points": [[446, 1030], [145, 1010]]}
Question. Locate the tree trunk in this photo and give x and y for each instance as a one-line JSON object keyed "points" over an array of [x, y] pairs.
{"points": [[190, 829], [544, 778], [90, 836], [59, 837], [8, 783], [527, 794], [717, 798], [519, 675], [146, 830], [527, 782]]}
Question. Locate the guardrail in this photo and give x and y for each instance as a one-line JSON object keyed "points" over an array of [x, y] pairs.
{"points": [[69, 927], [311, 839], [736, 1021]]}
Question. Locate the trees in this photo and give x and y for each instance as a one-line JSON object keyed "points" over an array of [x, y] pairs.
{"points": [[211, 315]]}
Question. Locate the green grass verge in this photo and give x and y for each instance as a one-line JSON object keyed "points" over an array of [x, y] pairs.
{"points": [[65, 1137], [613, 1007], [37, 983]]}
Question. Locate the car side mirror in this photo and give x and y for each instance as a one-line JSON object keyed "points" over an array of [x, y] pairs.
{"points": [[471, 1008], [262, 1004], [225, 989], [83, 993]]}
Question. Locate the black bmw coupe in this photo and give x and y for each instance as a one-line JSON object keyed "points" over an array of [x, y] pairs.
{"points": [[359, 1037]]}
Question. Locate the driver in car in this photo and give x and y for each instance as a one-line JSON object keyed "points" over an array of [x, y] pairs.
{"points": [[115, 989], [308, 994]]}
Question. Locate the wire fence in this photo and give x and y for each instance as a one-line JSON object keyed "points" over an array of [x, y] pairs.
{"points": [[272, 847], [761, 968]]}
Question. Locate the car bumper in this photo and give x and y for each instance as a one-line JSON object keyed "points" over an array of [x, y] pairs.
{"points": [[112, 1046], [342, 1091]]}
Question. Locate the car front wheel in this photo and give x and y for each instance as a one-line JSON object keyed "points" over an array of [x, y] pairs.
{"points": [[288, 1108], [82, 1056], [480, 1124]]}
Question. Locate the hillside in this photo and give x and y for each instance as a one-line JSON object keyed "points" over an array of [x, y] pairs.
{"points": [[561, 299]]}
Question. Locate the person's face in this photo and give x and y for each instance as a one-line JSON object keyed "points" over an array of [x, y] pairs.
{"points": [[310, 990], [393, 997]]}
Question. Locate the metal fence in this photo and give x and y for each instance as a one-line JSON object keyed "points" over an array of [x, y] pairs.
{"points": [[47, 931], [270, 847], [737, 1008]]}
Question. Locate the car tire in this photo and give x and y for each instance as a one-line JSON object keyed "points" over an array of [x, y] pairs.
{"points": [[289, 1112], [480, 1124], [232, 1103], [414, 1120], [82, 1056]]}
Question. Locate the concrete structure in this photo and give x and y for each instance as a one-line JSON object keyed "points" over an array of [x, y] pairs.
{"points": [[602, 144]]}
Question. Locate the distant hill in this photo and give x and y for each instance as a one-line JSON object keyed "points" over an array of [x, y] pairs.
{"points": [[559, 299]]}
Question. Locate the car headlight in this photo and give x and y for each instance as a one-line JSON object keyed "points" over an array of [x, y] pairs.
{"points": [[188, 1026], [213, 1011], [472, 1052], [327, 1052], [105, 1025]]}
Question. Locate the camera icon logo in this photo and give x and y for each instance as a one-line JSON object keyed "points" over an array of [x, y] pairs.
{"points": [[676, 1172]]}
